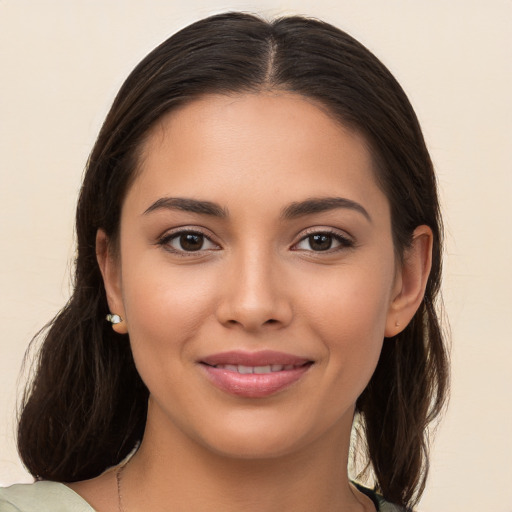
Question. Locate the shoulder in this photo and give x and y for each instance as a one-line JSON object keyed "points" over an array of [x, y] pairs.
{"points": [[43, 496]]}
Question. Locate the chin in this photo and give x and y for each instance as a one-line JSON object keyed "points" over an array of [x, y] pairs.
{"points": [[268, 437], [253, 447]]}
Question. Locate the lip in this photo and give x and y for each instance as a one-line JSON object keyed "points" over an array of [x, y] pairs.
{"points": [[254, 385], [260, 358]]}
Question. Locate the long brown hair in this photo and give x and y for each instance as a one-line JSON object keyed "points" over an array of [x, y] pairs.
{"points": [[86, 406]]}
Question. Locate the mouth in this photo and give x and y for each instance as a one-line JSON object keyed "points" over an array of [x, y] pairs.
{"points": [[260, 370], [254, 375]]}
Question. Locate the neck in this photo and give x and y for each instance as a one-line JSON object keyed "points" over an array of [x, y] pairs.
{"points": [[170, 471]]}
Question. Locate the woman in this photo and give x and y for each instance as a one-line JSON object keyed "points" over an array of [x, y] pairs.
{"points": [[259, 224]]}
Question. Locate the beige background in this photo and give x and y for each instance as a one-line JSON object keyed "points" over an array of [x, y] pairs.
{"points": [[61, 63]]}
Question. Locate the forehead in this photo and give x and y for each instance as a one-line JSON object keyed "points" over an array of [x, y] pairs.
{"points": [[269, 118], [253, 143]]}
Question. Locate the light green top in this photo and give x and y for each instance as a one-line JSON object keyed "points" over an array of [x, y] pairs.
{"points": [[45, 496], [42, 496]]}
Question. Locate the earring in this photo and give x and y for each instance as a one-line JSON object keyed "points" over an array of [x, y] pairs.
{"points": [[397, 324], [114, 319], [118, 324]]}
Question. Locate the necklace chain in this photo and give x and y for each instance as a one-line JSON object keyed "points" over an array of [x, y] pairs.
{"points": [[119, 472]]}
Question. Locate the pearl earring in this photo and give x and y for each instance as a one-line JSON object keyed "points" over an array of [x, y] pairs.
{"points": [[114, 319]]}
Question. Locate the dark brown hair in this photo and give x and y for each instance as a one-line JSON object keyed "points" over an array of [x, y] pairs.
{"points": [[85, 409]]}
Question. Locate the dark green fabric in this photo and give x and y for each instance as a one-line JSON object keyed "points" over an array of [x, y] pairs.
{"points": [[380, 503]]}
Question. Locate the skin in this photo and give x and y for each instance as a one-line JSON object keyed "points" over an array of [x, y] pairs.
{"points": [[258, 282]]}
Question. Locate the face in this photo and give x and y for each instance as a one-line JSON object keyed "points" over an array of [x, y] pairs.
{"points": [[256, 274]]}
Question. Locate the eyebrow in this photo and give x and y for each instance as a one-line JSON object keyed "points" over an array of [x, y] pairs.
{"points": [[322, 204], [187, 205], [292, 211]]}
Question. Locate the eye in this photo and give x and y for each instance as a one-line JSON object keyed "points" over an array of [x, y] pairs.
{"points": [[187, 241], [323, 241]]}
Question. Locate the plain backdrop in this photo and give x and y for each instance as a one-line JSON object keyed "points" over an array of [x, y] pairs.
{"points": [[61, 63]]}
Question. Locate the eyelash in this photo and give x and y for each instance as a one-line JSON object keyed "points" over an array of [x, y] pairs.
{"points": [[343, 241]]}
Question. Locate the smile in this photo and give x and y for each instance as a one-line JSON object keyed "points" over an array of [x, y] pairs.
{"points": [[256, 369], [254, 375]]}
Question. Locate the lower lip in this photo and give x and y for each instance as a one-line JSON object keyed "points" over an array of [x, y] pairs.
{"points": [[253, 385]]}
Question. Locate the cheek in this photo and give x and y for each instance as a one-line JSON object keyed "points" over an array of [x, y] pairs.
{"points": [[165, 312], [349, 315], [350, 300], [165, 305]]}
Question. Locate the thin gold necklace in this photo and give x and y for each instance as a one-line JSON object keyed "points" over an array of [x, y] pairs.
{"points": [[119, 472]]}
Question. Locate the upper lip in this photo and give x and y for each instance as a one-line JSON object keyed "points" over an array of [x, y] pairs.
{"points": [[260, 358]]}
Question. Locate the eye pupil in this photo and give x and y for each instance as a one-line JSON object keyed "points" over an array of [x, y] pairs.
{"points": [[320, 242], [191, 241]]}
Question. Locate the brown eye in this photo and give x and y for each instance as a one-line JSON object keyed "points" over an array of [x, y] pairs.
{"points": [[320, 242], [191, 242], [323, 242], [187, 241]]}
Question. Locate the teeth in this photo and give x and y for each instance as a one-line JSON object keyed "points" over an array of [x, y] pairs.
{"points": [[240, 368], [262, 369]]}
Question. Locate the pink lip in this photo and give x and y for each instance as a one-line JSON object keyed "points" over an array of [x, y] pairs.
{"points": [[254, 385], [261, 358]]}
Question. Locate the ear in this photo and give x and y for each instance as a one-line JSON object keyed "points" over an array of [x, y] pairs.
{"points": [[110, 267], [411, 281]]}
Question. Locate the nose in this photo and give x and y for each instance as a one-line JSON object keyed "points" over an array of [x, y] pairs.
{"points": [[254, 295]]}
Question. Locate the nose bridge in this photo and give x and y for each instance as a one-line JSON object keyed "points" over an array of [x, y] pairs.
{"points": [[254, 294]]}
